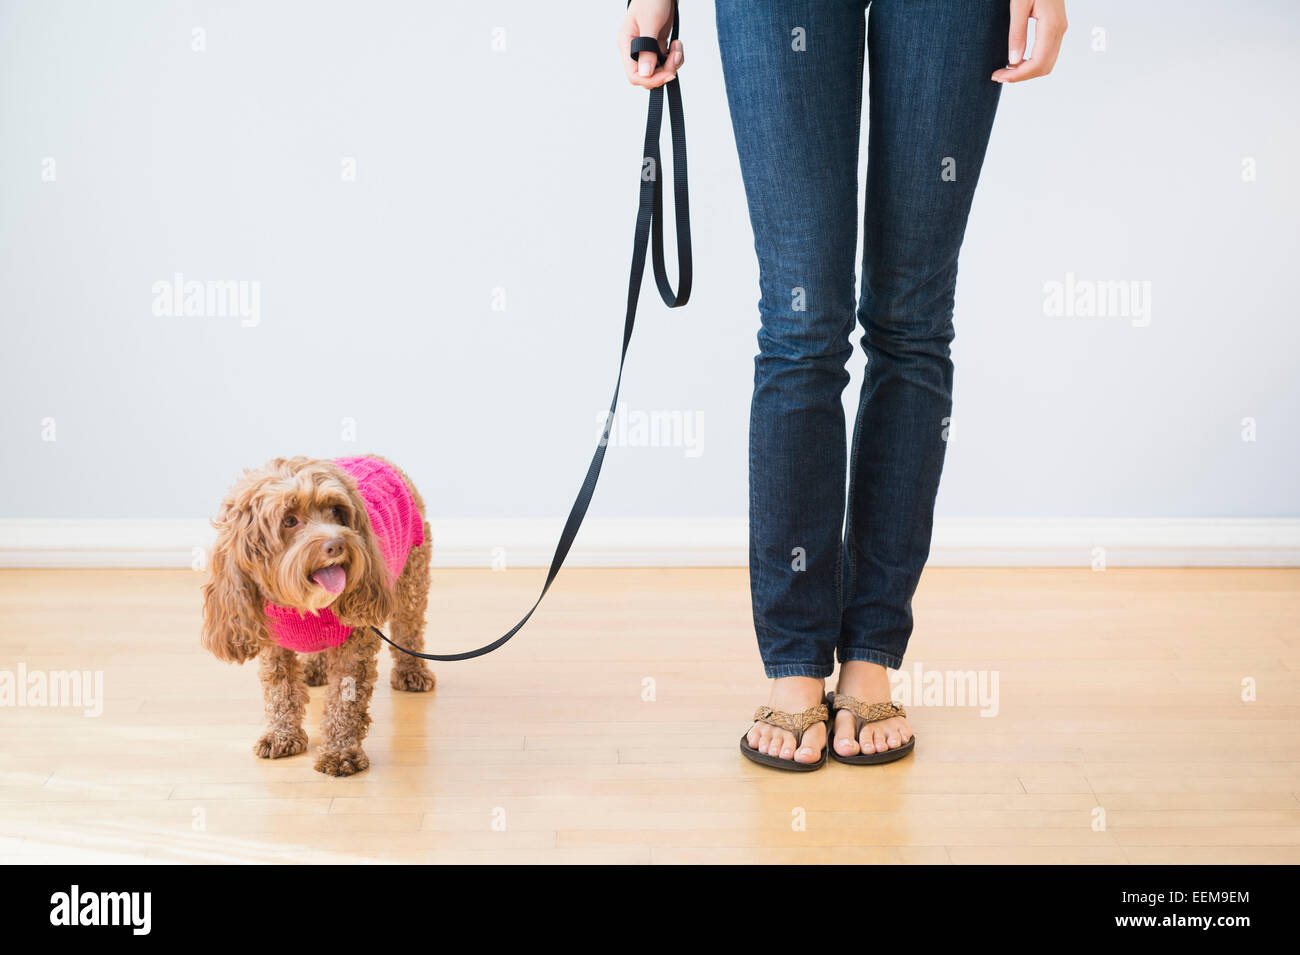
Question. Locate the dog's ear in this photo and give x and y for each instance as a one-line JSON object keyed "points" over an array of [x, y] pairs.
{"points": [[234, 613], [368, 599]]}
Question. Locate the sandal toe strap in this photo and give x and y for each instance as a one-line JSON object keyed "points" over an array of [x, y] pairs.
{"points": [[868, 712], [796, 723]]}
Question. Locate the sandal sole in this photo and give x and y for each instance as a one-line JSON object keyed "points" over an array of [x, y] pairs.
{"points": [[776, 762], [875, 759]]}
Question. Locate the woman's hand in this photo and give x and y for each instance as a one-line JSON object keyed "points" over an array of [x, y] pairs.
{"points": [[649, 18], [1049, 28]]}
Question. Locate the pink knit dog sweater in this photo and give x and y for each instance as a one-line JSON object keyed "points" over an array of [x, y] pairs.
{"points": [[398, 528]]}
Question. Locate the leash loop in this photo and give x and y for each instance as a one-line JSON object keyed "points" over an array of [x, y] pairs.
{"points": [[648, 44]]}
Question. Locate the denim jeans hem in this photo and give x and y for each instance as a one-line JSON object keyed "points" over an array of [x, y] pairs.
{"points": [[778, 670], [880, 657]]}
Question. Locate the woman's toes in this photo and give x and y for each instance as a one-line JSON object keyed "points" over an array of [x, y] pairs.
{"points": [[892, 738], [782, 745], [810, 747], [878, 737], [753, 736], [846, 744], [865, 741]]}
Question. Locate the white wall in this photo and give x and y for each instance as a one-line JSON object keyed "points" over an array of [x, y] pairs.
{"points": [[478, 170]]}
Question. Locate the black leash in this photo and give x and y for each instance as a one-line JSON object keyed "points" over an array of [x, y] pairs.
{"points": [[649, 232]]}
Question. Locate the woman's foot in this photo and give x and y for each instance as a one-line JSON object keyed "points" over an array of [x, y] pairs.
{"points": [[793, 694], [868, 682]]}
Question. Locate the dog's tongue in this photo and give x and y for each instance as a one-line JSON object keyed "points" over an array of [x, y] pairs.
{"points": [[331, 578]]}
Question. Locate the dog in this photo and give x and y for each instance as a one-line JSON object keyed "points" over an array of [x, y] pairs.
{"points": [[309, 555]]}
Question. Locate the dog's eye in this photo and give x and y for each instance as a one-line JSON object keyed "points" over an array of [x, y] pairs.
{"points": [[291, 521], [340, 515]]}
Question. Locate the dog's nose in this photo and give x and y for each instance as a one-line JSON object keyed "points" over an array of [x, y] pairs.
{"points": [[333, 548]]}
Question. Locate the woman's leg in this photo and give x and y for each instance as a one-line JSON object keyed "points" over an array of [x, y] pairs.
{"points": [[931, 111], [794, 86]]}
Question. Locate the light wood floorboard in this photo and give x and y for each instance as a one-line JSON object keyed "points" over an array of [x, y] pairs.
{"points": [[1120, 733]]}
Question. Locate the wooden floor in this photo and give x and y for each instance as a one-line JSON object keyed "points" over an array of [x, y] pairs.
{"points": [[607, 731]]}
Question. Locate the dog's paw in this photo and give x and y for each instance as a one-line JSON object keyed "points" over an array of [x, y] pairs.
{"points": [[342, 762], [413, 679], [313, 670], [281, 742]]}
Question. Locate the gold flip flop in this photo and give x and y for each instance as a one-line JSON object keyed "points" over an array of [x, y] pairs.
{"points": [[796, 723], [864, 713]]}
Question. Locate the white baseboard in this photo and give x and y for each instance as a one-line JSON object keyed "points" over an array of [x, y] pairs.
{"points": [[703, 542]]}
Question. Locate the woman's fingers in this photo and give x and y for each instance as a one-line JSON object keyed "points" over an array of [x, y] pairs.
{"points": [[1048, 33], [673, 63], [657, 75], [623, 43], [649, 19], [1019, 34], [646, 64]]}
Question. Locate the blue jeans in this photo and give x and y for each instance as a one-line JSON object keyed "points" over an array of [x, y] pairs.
{"points": [[828, 575]]}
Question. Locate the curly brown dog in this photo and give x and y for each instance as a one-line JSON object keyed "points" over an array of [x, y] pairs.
{"points": [[309, 555]]}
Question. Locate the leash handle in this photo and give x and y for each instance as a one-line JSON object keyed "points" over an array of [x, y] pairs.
{"points": [[650, 44], [647, 44], [649, 236]]}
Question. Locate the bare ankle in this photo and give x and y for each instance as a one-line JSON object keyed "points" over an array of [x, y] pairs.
{"points": [[804, 688], [857, 672]]}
